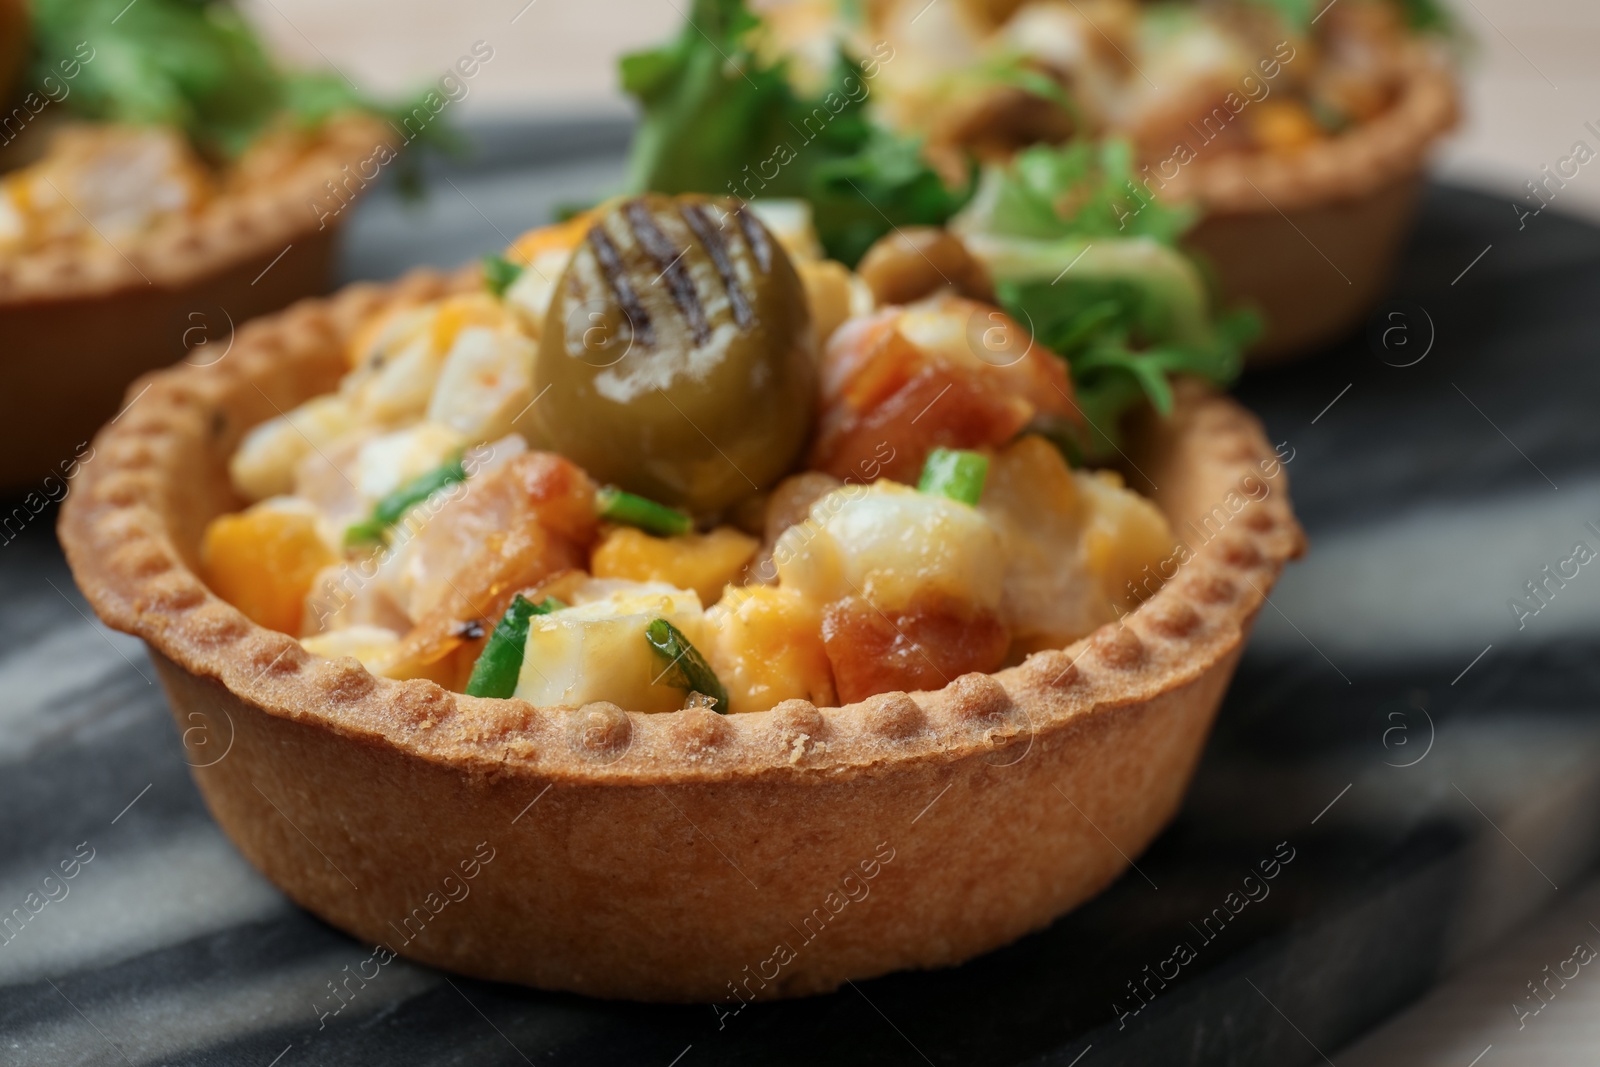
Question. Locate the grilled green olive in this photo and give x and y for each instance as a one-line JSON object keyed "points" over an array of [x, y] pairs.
{"points": [[678, 354]]}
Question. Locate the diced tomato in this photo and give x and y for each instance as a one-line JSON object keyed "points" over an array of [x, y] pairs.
{"points": [[949, 407], [906, 380], [926, 646]]}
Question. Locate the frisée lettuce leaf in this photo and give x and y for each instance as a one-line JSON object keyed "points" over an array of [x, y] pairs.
{"points": [[717, 118], [1079, 252], [1088, 260]]}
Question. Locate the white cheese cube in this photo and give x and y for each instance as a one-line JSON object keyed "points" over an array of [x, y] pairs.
{"points": [[486, 383], [596, 649], [888, 542], [264, 463]]}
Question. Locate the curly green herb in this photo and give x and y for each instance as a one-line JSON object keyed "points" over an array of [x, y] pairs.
{"points": [[499, 274]]}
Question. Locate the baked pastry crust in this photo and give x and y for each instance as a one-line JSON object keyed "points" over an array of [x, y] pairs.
{"points": [[80, 323], [1311, 240], [667, 857], [1360, 162]]}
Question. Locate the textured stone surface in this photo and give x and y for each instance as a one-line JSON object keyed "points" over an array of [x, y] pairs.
{"points": [[178, 952]]}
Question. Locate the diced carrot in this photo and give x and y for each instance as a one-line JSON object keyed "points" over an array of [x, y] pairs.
{"points": [[459, 312], [262, 561], [557, 237], [703, 562], [1284, 127], [766, 647]]}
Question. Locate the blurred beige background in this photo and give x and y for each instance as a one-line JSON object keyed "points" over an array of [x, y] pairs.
{"points": [[1533, 78]]}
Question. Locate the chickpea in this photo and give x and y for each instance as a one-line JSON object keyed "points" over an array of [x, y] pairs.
{"points": [[913, 261]]}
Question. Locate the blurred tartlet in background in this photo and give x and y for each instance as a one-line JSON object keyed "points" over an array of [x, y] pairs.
{"points": [[1295, 132], [161, 180]]}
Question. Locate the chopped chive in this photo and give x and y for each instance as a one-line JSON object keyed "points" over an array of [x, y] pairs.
{"points": [[615, 505], [955, 473], [393, 507], [499, 273], [686, 668], [500, 663], [365, 532]]}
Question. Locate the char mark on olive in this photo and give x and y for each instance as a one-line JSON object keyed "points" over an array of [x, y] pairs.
{"points": [[610, 260], [756, 236], [710, 234], [670, 262]]}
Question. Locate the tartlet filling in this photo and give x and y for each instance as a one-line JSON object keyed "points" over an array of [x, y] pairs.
{"points": [[674, 458], [1242, 76]]}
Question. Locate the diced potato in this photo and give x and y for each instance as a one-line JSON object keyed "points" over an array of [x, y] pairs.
{"points": [[486, 383], [264, 464], [1072, 540], [790, 222], [374, 646], [263, 561], [1032, 498], [889, 543], [1127, 539], [543, 255], [397, 388], [830, 291], [381, 336], [766, 647], [703, 562], [596, 649]]}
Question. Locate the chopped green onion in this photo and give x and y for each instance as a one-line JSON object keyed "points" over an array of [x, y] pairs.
{"points": [[686, 667], [956, 474], [499, 273], [618, 506], [499, 664], [365, 532], [393, 507]]}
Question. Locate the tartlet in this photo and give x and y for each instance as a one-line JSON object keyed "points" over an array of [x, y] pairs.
{"points": [[81, 322], [671, 857], [1303, 173], [1311, 240]]}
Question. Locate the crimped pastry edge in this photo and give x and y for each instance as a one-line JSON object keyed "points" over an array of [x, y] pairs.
{"points": [[121, 528], [1358, 163], [186, 248]]}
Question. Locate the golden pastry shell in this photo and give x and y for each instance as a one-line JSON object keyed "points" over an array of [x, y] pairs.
{"points": [[1311, 240], [666, 857], [80, 323], [188, 247]]}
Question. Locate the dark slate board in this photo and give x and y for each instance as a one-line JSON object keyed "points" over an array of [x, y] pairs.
{"points": [[1432, 799]]}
